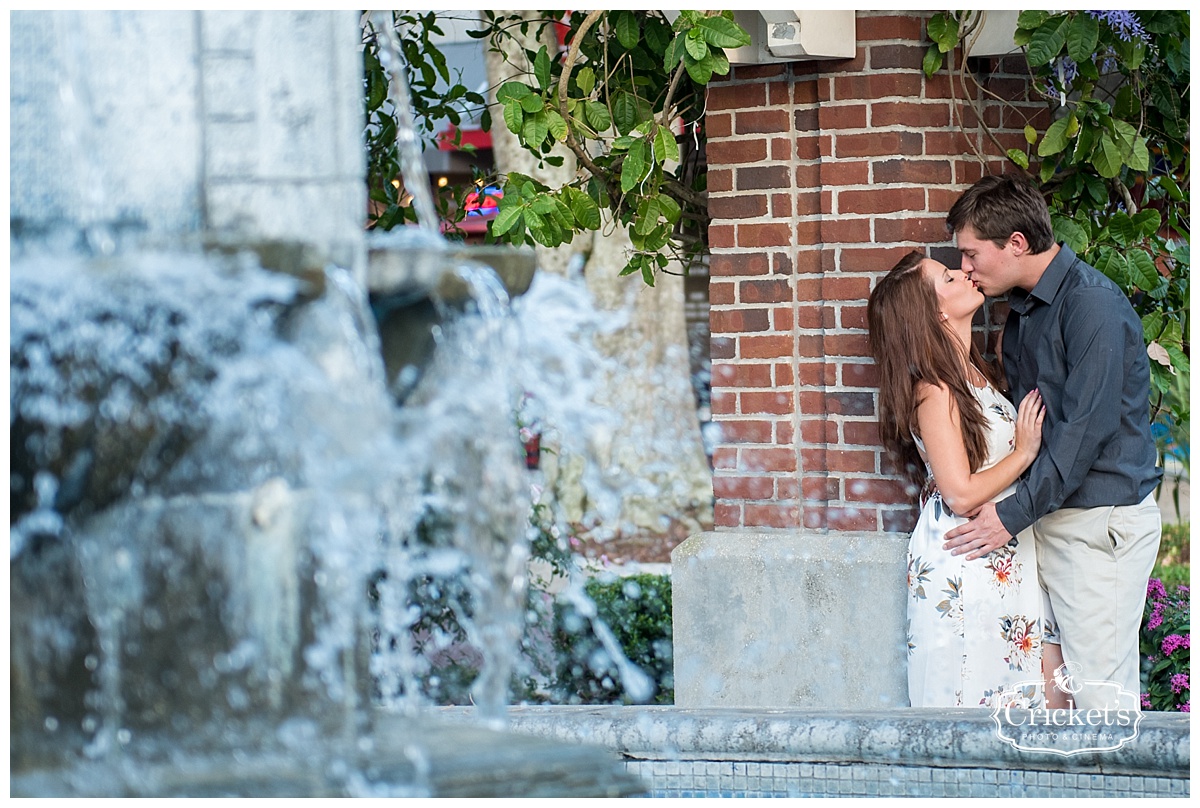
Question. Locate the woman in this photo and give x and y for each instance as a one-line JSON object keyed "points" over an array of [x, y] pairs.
{"points": [[976, 628]]}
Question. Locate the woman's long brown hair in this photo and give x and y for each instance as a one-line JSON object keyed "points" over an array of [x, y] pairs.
{"points": [[911, 345]]}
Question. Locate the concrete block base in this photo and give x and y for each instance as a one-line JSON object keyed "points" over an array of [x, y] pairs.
{"points": [[788, 618]]}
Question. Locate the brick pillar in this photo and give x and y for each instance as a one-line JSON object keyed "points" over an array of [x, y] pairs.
{"points": [[821, 176]]}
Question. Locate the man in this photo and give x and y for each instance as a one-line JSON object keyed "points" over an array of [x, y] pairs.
{"points": [[1072, 334]]}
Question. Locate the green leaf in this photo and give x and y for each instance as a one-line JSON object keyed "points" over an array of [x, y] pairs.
{"points": [[720, 32], [701, 72], [932, 62], [556, 124], [535, 129], [1152, 326], [633, 266], [670, 208], [625, 112], [647, 274], [1018, 157], [1139, 157], [1047, 41], [658, 36], [585, 80], [514, 117], [1072, 233], [532, 104], [942, 29], [1082, 36], [695, 45], [513, 90], [1031, 20], [541, 67], [665, 147], [584, 209], [1108, 157], [634, 167], [675, 52], [597, 116], [1113, 266], [1123, 230], [627, 30], [1142, 271], [505, 220], [1148, 221], [1056, 138], [1031, 134]]}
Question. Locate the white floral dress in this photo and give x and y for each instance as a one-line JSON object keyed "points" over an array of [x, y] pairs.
{"points": [[975, 628]]}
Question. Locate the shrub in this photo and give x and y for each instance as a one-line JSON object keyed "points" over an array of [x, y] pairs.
{"points": [[1166, 641], [637, 610]]}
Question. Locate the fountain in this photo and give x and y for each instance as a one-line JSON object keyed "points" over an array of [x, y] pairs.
{"points": [[209, 467]]}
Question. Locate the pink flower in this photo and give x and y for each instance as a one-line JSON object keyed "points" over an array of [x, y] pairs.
{"points": [[1146, 701], [1155, 589], [1185, 708], [1173, 642], [1179, 683]]}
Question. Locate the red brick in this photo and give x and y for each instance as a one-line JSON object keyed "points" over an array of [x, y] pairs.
{"points": [[889, 26], [781, 206], [720, 292], [772, 515], [852, 317], [746, 431], [861, 433], [722, 347], [761, 121], [775, 290], [844, 116], [810, 316], [844, 460], [721, 236], [733, 152], [841, 403], [808, 147], [923, 172], [911, 229], [878, 85], [819, 489], [723, 403], [881, 200], [718, 125], [844, 172], [741, 375], [765, 403], [885, 57], [768, 460], [734, 96], [842, 230], [736, 321], [763, 235], [878, 144], [850, 518], [757, 178], [781, 148], [737, 264], [818, 430], [741, 206], [787, 488], [765, 347], [727, 514], [743, 487], [724, 458], [880, 492], [860, 374]]}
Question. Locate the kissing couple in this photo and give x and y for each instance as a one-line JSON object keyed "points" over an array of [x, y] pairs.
{"points": [[1038, 527]]}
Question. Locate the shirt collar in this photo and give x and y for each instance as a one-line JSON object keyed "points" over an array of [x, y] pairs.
{"points": [[1047, 286]]}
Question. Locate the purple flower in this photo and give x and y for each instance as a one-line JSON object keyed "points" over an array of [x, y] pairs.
{"points": [[1146, 701], [1185, 708], [1173, 642], [1183, 589], [1124, 23], [1179, 683], [1155, 588], [1155, 621]]}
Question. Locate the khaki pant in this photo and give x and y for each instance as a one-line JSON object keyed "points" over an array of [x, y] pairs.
{"points": [[1094, 564]]}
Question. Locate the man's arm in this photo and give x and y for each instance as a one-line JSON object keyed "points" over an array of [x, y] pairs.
{"points": [[1089, 414]]}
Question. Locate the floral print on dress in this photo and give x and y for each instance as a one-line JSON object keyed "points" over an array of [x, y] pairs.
{"points": [[1024, 642], [952, 607], [1004, 568], [974, 628], [918, 576]]}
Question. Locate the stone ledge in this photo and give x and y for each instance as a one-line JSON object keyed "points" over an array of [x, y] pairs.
{"points": [[958, 738]]}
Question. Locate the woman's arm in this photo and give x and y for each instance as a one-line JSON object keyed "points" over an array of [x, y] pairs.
{"points": [[941, 432]]}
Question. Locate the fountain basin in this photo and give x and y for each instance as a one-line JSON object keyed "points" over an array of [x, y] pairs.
{"points": [[888, 752]]}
